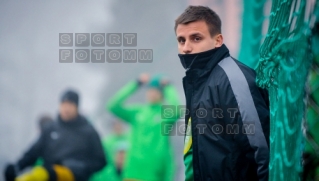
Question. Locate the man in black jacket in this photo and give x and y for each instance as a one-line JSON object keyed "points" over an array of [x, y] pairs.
{"points": [[227, 137], [70, 148]]}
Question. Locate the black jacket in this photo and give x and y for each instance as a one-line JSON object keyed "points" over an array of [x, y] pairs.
{"points": [[230, 118], [74, 144]]}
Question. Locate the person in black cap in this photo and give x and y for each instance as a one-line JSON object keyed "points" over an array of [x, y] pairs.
{"points": [[70, 148]]}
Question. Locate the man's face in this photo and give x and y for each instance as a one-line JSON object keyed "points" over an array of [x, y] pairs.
{"points": [[68, 111], [153, 95], [118, 128], [194, 37]]}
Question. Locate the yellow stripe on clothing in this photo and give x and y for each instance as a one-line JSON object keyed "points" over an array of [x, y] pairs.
{"points": [[188, 137]]}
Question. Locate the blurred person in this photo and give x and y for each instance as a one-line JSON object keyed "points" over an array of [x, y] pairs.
{"points": [[119, 160], [225, 92], [70, 148], [115, 146], [150, 156]]}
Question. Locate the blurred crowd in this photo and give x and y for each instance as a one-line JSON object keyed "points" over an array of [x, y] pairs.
{"points": [[69, 148]]}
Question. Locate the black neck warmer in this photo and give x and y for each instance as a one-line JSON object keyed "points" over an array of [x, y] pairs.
{"points": [[204, 60]]}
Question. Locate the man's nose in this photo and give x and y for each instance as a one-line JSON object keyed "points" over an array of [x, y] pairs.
{"points": [[187, 48]]}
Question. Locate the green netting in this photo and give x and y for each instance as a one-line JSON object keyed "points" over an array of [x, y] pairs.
{"points": [[283, 68], [311, 163], [253, 18]]}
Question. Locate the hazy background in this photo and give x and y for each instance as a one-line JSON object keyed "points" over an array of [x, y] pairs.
{"points": [[32, 79]]}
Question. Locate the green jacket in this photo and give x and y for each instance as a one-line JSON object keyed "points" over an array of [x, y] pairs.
{"points": [[150, 156]]}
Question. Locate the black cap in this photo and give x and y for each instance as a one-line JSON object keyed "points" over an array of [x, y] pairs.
{"points": [[70, 96]]}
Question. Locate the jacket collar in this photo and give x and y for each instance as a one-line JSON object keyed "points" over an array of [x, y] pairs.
{"points": [[204, 61], [77, 121]]}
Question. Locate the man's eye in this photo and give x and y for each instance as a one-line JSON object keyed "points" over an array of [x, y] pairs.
{"points": [[197, 39], [181, 41]]}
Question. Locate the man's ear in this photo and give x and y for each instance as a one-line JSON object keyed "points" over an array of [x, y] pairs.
{"points": [[219, 40]]}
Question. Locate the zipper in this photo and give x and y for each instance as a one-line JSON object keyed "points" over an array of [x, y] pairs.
{"points": [[193, 130]]}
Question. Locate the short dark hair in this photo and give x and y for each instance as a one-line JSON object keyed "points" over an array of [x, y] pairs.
{"points": [[201, 13]]}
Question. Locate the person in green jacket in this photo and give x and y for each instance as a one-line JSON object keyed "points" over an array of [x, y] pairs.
{"points": [[150, 155], [115, 146]]}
